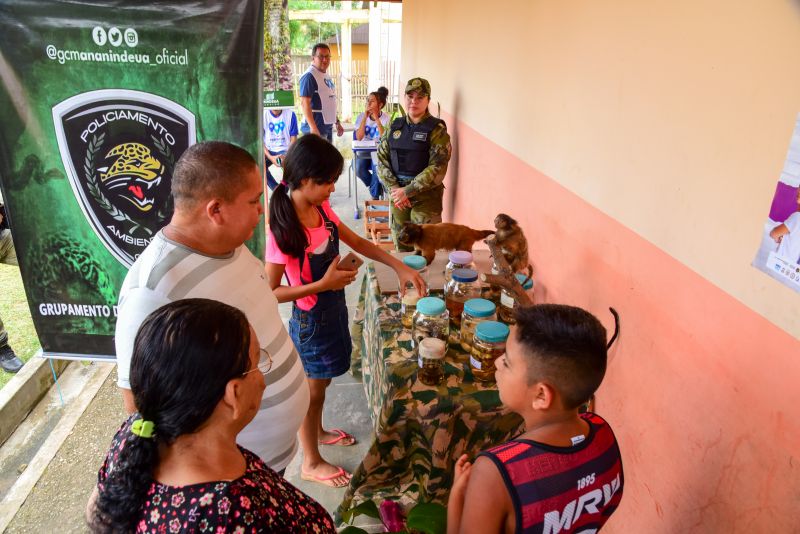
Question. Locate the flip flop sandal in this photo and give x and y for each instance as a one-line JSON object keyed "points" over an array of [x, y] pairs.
{"points": [[342, 435], [326, 481]]}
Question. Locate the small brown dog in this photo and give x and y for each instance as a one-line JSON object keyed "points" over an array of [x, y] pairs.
{"points": [[428, 238]]}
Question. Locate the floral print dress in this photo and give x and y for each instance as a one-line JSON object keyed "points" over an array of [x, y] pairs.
{"points": [[258, 501]]}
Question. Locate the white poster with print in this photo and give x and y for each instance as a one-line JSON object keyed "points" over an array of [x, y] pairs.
{"points": [[779, 253]]}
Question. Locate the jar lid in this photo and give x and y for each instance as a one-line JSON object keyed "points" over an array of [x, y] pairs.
{"points": [[479, 307], [430, 306], [432, 348], [521, 278], [465, 275], [492, 331], [462, 257], [415, 262]]}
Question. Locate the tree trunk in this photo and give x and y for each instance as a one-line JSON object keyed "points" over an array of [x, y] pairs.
{"points": [[277, 46]]}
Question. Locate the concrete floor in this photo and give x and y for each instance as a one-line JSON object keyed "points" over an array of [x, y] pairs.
{"points": [[57, 501]]}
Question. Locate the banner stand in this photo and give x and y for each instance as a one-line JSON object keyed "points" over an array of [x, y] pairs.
{"points": [[95, 111], [55, 381]]}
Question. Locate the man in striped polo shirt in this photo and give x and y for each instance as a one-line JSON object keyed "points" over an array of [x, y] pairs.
{"points": [[217, 189], [564, 474]]}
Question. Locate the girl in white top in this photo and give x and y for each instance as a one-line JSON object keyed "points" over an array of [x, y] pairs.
{"points": [[371, 125], [377, 119]]}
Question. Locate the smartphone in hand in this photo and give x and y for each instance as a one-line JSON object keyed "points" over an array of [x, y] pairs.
{"points": [[351, 262]]}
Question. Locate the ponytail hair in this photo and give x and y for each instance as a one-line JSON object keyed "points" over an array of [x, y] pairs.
{"points": [[310, 157], [184, 355], [381, 94]]}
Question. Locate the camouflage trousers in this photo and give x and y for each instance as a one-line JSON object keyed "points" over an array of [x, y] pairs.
{"points": [[7, 255], [426, 207]]}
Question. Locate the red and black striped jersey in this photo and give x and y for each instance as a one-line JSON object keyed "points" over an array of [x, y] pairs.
{"points": [[562, 489]]}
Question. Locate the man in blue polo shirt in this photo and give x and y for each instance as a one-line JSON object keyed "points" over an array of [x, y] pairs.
{"points": [[318, 96]]}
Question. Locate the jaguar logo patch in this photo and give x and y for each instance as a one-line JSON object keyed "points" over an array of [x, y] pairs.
{"points": [[396, 134], [119, 148]]}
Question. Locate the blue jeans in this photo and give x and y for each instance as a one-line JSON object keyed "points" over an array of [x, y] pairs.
{"points": [[325, 130], [322, 339], [367, 173]]}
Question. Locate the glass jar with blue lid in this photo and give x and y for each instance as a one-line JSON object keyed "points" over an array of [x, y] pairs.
{"points": [[430, 320], [475, 311], [507, 301], [488, 344], [463, 286], [408, 301]]}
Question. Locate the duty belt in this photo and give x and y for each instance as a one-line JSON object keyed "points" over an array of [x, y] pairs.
{"points": [[404, 180]]}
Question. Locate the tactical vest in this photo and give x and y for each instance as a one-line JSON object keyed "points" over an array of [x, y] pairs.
{"points": [[411, 148]]}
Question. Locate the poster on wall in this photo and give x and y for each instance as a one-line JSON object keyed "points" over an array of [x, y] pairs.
{"points": [[779, 253], [97, 103]]}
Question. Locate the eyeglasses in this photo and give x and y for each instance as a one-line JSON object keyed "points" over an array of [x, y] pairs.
{"points": [[321, 56], [264, 363]]}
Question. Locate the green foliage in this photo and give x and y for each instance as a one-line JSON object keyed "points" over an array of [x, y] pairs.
{"points": [[16, 317], [430, 518], [423, 518], [367, 508], [306, 33]]}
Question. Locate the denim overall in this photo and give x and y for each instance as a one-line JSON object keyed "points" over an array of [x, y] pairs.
{"points": [[322, 334]]}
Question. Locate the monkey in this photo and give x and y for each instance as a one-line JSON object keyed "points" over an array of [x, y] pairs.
{"points": [[428, 238], [512, 242]]}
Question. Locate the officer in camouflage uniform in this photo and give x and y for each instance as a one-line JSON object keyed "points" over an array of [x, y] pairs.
{"points": [[412, 160]]}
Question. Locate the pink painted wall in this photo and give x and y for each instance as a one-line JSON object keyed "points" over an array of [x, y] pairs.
{"points": [[700, 388], [673, 118]]}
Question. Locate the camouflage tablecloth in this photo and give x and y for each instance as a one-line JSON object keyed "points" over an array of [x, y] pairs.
{"points": [[420, 430]]}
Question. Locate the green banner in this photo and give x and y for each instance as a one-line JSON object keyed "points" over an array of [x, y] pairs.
{"points": [[96, 105], [278, 99]]}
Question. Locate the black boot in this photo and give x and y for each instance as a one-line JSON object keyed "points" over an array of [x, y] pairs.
{"points": [[9, 361]]}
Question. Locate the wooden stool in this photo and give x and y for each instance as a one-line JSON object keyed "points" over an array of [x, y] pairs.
{"points": [[375, 229]]}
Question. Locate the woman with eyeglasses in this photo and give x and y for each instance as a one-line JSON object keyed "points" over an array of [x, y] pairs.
{"points": [[303, 243], [197, 375]]}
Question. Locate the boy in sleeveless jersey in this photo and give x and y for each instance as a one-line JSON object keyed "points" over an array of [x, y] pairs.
{"points": [[564, 474]]}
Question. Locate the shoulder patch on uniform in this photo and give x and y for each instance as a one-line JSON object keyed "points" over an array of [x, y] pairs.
{"points": [[396, 134]]}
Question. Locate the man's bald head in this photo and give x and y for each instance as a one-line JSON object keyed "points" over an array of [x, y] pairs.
{"points": [[210, 169]]}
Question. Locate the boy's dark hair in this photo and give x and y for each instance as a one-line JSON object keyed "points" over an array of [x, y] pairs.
{"points": [[566, 347], [310, 157], [318, 46], [210, 169]]}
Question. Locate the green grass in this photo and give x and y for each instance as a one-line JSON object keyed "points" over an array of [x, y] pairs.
{"points": [[16, 317]]}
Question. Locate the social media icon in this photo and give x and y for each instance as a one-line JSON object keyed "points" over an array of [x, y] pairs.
{"points": [[115, 36], [131, 37], [99, 36]]}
